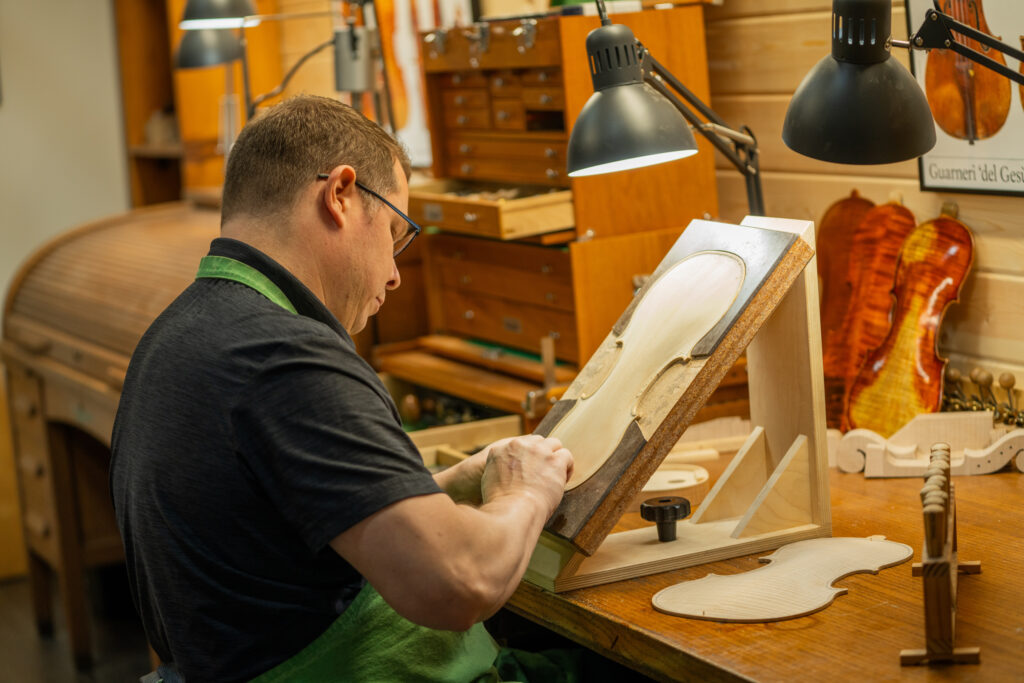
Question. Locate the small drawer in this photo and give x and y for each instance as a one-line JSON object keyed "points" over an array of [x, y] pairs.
{"points": [[468, 119], [462, 147], [464, 79], [473, 98], [510, 323], [543, 98], [505, 84], [528, 285], [552, 173], [491, 210], [543, 77], [509, 114]]}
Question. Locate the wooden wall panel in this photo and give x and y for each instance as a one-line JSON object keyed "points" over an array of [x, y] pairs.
{"points": [[758, 52], [772, 54]]}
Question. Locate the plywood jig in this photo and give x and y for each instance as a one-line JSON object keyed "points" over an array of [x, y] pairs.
{"points": [[721, 289]]}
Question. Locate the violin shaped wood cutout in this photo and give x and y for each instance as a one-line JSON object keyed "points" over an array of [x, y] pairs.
{"points": [[903, 377], [969, 101], [872, 271], [797, 581], [666, 354], [834, 244]]}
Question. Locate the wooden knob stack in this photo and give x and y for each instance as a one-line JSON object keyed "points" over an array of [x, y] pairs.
{"points": [[935, 500]]}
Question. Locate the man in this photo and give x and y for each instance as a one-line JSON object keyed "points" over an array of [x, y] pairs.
{"points": [[276, 519]]}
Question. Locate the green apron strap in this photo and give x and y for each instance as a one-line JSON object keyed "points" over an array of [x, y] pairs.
{"points": [[225, 268], [370, 642]]}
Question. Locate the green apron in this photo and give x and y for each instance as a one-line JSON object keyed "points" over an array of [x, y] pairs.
{"points": [[370, 641]]}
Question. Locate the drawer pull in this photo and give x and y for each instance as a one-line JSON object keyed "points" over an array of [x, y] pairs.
{"points": [[499, 82], [461, 119], [26, 406], [503, 115], [470, 217], [513, 325], [550, 152], [545, 269], [549, 297], [460, 100], [465, 148], [37, 525], [466, 168], [32, 467], [469, 315], [465, 279], [554, 335], [545, 99], [551, 173], [457, 78]]}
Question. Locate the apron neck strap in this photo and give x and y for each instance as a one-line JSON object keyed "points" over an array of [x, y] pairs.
{"points": [[224, 268]]}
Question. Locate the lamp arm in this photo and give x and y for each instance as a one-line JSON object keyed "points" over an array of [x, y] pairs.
{"points": [[937, 33], [741, 153], [251, 107]]}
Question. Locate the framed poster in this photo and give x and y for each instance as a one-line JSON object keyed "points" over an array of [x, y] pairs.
{"points": [[979, 114]]}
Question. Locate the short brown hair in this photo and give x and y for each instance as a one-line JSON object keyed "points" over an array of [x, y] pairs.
{"points": [[283, 148]]}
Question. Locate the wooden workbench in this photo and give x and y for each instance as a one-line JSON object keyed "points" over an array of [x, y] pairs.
{"points": [[858, 637]]}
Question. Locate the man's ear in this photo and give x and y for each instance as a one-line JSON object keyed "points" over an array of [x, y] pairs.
{"points": [[339, 193]]}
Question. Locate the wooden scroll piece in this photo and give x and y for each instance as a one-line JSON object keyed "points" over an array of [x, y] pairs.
{"points": [[797, 581], [939, 567], [780, 491]]}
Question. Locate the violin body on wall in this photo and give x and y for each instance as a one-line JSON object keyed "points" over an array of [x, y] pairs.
{"points": [[969, 102]]}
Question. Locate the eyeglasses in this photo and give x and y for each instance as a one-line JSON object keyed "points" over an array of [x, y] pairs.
{"points": [[403, 240]]}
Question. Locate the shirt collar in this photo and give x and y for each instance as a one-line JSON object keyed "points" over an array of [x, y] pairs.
{"points": [[305, 302]]}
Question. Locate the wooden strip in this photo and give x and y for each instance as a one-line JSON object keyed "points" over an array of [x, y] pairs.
{"points": [[731, 9], [493, 359], [994, 221], [772, 54], [988, 321]]}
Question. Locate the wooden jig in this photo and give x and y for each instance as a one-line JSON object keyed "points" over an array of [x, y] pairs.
{"points": [[775, 490]]}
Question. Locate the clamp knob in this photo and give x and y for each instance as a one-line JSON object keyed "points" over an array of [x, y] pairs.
{"points": [[665, 512]]}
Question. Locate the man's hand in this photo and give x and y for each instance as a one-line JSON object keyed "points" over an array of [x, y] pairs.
{"points": [[531, 466]]}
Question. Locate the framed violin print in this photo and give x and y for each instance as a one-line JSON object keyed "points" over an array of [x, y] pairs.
{"points": [[979, 114]]}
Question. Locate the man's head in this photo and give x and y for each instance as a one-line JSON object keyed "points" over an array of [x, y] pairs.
{"points": [[304, 184], [281, 151]]}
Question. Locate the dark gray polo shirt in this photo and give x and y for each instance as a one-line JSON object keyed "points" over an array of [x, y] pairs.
{"points": [[246, 439]]}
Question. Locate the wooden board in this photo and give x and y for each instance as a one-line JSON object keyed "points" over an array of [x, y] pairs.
{"points": [[798, 581], [12, 543], [645, 403]]}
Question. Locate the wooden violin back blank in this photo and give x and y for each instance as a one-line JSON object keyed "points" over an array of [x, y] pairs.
{"points": [[969, 102], [835, 240], [873, 259], [903, 376]]}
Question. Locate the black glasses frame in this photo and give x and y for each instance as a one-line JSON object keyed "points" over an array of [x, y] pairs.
{"points": [[414, 228]]}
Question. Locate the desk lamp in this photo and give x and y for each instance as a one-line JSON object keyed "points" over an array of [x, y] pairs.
{"points": [[857, 106], [637, 115], [353, 71]]}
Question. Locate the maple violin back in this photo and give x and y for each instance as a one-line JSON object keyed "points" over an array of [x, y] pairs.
{"points": [[834, 243], [874, 255], [903, 376], [969, 102]]}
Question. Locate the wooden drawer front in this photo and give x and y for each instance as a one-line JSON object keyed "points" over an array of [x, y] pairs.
{"points": [[472, 98], [448, 204], [32, 459], [461, 148], [509, 114], [513, 324], [550, 76], [535, 172], [464, 79], [467, 119], [505, 84], [531, 287], [505, 49], [543, 98], [549, 268]]}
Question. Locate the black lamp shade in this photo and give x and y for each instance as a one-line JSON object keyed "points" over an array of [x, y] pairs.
{"points": [[625, 127], [207, 47], [626, 123], [200, 14], [857, 105]]}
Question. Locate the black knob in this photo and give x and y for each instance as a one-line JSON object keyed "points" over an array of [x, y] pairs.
{"points": [[665, 512]]}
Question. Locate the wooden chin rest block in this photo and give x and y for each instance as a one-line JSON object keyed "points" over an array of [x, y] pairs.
{"points": [[721, 289], [976, 446], [939, 569]]}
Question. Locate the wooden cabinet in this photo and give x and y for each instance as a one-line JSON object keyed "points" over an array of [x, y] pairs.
{"points": [[556, 257]]}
